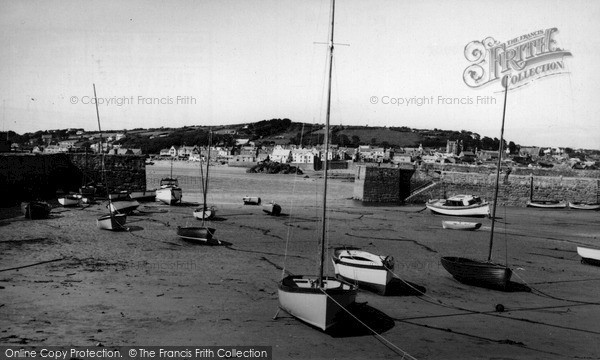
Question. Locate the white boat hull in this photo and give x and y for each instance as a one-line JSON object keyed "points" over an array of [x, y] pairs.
{"points": [[369, 271], [147, 195], [322, 308], [547, 204], [169, 195], [112, 222], [460, 225], [123, 206], [584, 206], [251, 200], [69, 201], [589, 255], [209, 213], [436, 206]]}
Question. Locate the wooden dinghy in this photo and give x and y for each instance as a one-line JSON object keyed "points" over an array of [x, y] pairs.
{"points": [[123, 206], [69, 200], [251, 200], [547, 204], [589, 255], [143, 195], [479, 273], [35, 210], [205, 212], [584, 206], [460, 205], [460, 225], [369, 271], [200, 234], [272, 209], [114, 222]]}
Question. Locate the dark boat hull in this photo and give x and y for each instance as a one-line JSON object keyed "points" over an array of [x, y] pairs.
{"points": [[478, 273], [197, 234], [35, 210]]}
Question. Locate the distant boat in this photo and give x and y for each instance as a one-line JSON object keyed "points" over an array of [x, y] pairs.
{"points": [[143, 195], [251, 200], [121, 195], [477, 272], [547, 204], [584, 206], [460, 225], [170, 193], [112, 222], [319, 300], [272, 209], [69, 200], [369, 271], [124, 206], [589, 255], [460, 205], [87, 193], [35, 210]]}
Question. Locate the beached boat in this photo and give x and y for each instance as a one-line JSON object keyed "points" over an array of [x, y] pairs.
{"points": [[251, 200], [547, 204], [589, 255], [318, 300], [201, 234], [460, 205], [123, 206], [205, 212], [35, 210], [114, 222], [584, 206], [272, 209], [87, 193], [460, 225], [170, 193], [69, 200], [143, 195], [477, 272], [120, 195], [369, 271]]}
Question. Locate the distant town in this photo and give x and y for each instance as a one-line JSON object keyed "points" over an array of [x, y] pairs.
{"points": [[284, 141]]}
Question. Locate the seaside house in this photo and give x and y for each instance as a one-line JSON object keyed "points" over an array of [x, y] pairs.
{"points": [[281, 155], [165, 152], [304, 156]]}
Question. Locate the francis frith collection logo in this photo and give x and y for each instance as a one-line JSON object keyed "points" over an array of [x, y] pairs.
{"points": [[525, 58]]}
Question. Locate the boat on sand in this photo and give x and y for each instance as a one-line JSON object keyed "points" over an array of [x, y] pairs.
{"points": [[460, 205]]}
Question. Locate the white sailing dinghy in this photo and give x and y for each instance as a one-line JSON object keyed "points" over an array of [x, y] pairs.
{"points": [[460, 225], [589, 255], [318, 300], [169, 193], [369, 271]]}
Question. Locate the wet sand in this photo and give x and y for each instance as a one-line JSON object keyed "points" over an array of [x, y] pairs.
{"points": [[147, 287]]}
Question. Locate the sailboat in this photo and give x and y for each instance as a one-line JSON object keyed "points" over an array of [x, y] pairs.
{"points": [[169, 192], [203, 233], [204, 212], [111, 221], [483, 273], [318, 300], [369, 271]]}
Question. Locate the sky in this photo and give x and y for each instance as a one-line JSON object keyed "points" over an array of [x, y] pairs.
{"points": [[177, 63]]}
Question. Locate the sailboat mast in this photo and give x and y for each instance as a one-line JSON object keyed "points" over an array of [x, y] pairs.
{"points": [[98, 117], [326, 144], [206, 180], [102, 151], [500, 149]]}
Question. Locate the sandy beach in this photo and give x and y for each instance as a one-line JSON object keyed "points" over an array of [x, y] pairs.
{"points": [[145, 286]]}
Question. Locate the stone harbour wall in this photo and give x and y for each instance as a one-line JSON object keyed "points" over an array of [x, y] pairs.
{"points": [[381, 184], [40, 176]]}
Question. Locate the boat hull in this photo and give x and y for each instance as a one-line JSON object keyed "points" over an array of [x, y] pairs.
{"points": [[121, 195], [112, 222], [272, 209], [35, 210], [369, 271], [251, 200], [67, 201], [322, 308], [169, 195], [478, 273], [123, 206], [584, 206], [589, 255], [460, 225], [147, 195], [437, 207], [547, 204], [202, 234], [209, 213]]}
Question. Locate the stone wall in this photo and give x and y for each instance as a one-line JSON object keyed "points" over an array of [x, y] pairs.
{"points": [[40, 176], [381, 184]]}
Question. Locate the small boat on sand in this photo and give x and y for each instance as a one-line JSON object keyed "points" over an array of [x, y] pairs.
{"points": [[589, 255], [251, 200], [113, 222], [460, 225], [35, 210], [69, 200], [584, 206], [121, 195], [169, 192], [272, 209], [369, 271], [201, 234], [547, 204], [123, 206], [460, 205], [143, 195], [205, 212], [478, 273]]}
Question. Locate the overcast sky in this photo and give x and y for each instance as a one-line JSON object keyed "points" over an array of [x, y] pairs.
{"points": [[229, 62]]}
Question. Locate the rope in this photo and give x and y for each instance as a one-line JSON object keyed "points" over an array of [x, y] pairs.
{"points": [[403, 353]]}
